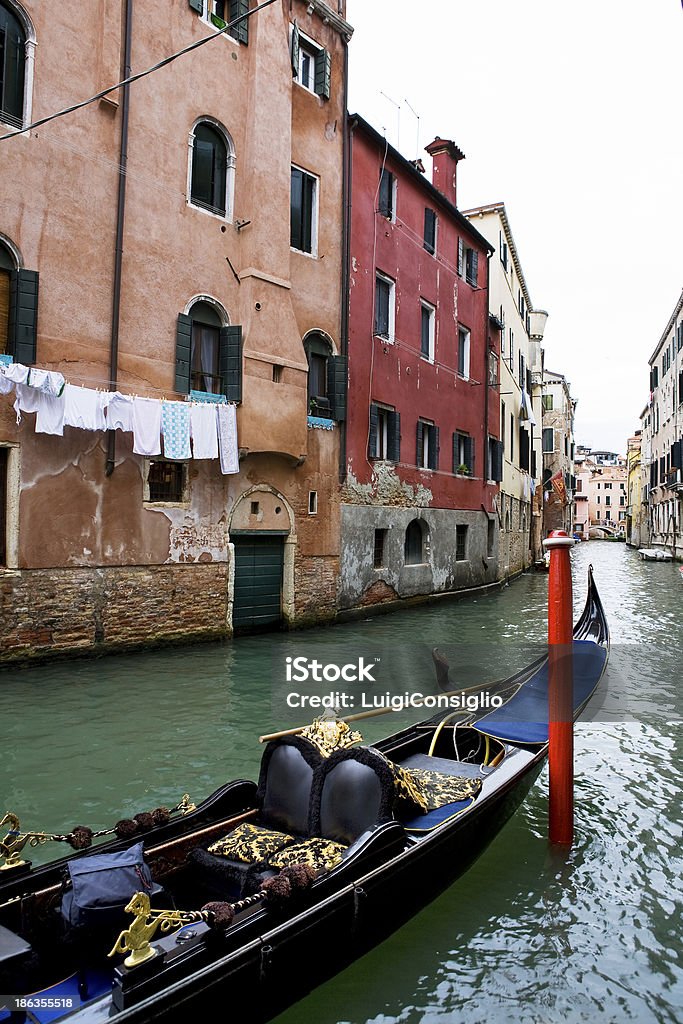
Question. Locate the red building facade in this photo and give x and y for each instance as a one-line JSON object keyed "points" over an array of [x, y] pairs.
{"points": [[422, 451]]}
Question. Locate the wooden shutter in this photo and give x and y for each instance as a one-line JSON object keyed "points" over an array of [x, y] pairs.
{"points": [[533, 463], [473, 269], [456, 451], [323, 74], [294, 50], [4, 308], [372, 436], [183, 353], [676, 455], [385, 193], [461, 257], [469, 454], [230, 362], [394, 436], [419, 447], [22, 326], [434, 449], [497, 462], [430, 231], [337, 379], [197, 5], [241, 30], [523, 448]]}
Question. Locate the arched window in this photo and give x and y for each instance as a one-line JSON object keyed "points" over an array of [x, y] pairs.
{"points": [[318, 352], [12, 67], [414, 550], [206, 343], [212, 163]]}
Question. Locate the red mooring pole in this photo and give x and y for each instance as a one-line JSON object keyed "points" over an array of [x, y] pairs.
{"points": [[560, 695]]}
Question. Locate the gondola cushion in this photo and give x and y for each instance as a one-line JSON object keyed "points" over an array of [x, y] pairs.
{"points": [[317, 853], [427, 822], [250, 844]]}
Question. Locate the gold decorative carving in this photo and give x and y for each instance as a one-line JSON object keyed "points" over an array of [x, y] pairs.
{"points": [[135, 940], [330, 734]]}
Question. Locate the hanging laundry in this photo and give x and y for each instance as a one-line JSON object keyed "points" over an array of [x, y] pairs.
{"points": [[120, 412], [85, 408], [146, 426], [6, 384], [50, 382], [227, 436], [27, 400], [175, 427], [204, 430], [50, 414], [17, 372]]}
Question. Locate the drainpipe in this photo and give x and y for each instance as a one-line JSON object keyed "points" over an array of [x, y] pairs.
{"points": [[346, 253], [120, 216]]}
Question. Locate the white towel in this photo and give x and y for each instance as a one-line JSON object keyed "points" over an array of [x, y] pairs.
{"points": [[120, 412], [146, 426], [49, 381], [204, 430], [6, 383], [50, 416], [175, 426], [84, 408], [17, 372], [227, 436]]}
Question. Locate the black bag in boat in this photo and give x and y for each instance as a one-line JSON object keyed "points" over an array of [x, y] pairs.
{"points": [[103, 883]]}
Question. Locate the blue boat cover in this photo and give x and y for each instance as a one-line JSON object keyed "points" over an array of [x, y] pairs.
{"points": [[524, 718]]}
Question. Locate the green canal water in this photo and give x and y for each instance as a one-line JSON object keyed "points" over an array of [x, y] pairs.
{"points": [[527, 935]]}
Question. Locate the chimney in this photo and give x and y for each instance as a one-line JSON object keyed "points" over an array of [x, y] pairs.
{"points": [[445, 155]]}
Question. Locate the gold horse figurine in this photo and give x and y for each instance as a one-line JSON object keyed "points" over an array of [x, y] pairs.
{"points": [[15, 841], [135, 939]]}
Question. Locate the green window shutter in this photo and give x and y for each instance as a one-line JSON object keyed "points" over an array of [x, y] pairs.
{"points": [[197, 5], [22, 326], [497, 467], [469, 454], [419, 446], [294, 50], [372, 437], [337, 373], [230, 362], [323, 74], [183, 353], [434, 449], [394, 436], [241, 30], [461, 257], [456, 448]]}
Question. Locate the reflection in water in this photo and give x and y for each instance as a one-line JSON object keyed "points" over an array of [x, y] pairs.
{"points": [[526, 935]]}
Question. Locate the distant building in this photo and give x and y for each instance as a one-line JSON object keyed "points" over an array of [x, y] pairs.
{"points": [[558, 453], [422, 458], [601, 497], [635, 508], [521, 378], [663, 437]]}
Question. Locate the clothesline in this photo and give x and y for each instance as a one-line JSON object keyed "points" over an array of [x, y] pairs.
{"points": [[189, 429]]}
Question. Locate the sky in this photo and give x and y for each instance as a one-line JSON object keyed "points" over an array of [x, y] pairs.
{"points": [[570, 114]]}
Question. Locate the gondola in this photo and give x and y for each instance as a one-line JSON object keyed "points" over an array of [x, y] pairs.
{"points": [[220, 911]]}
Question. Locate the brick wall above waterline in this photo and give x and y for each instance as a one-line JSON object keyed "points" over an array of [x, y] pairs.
{"points": [[48, 612]]}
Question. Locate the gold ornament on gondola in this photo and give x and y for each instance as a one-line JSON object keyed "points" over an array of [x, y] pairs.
{"points": [[135, 939], [15, 840], [330, 734]]}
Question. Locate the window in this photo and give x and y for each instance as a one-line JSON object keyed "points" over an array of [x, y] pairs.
{"points": [[427, 314], [461, 543], [311, 64], [463, 454], [503, 251], [304, 211], [522, 370], [12, 68], [468, 263], [427, 455], [378, 554], [208, 352], [18, 306], [209, 173], [491, 538], [318, 353], [548, 439], [608, 487], [312, 503], [384, 440], [430, 231], [512, 437], [608, 499], [414, 549], [511, 353], [493, 370], [547, 403], [6, 268], [385, 303], [387, 194], [463, 352], [222, 12], [524, 448], [622, 500], [495, 453], [166, 482]]}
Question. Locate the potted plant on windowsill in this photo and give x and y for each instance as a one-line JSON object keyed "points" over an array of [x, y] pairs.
{"points": [[218, 22], [463, 470]]}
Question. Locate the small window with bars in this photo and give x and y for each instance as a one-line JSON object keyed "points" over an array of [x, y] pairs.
{"points": [[166, 482]]}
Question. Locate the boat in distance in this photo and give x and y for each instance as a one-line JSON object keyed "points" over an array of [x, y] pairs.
{"points": [[266, 889]]}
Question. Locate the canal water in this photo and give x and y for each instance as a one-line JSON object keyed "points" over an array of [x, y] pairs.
{"points": [[527, 935]]}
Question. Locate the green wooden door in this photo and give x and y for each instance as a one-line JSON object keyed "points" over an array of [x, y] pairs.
{"points": [[259, 560]]}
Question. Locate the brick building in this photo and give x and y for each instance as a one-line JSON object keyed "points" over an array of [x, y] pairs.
{"points": [[422, 432], [172, 238]]}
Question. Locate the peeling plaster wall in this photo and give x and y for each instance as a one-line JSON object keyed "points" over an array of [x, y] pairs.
{"points": [[361, 584]]}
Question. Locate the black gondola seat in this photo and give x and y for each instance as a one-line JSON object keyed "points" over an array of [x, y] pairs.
{"points": [[234, 866]]}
